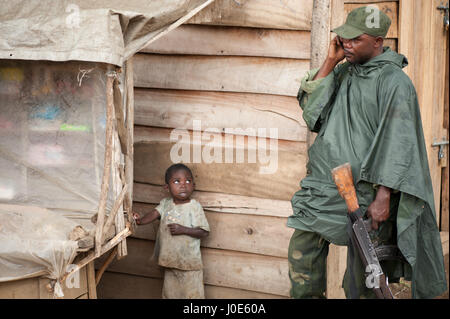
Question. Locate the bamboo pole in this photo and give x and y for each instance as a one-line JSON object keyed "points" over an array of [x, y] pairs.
{"points": [[107, 163]]}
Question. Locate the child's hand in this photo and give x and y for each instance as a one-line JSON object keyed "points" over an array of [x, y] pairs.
{"points": [[176, 229], [137, 218]]}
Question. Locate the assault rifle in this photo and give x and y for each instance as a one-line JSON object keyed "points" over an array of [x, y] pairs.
{"points": [[370, 255]]}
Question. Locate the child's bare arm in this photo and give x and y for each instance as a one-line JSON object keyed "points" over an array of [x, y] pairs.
{"points": [[147, 218], [176, 229]]}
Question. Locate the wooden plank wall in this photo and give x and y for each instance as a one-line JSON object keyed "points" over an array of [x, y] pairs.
{"points": [[36, 287], [424, 41], [237, 64]]}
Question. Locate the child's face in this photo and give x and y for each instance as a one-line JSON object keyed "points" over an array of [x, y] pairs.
{"points": [[181, 186]]}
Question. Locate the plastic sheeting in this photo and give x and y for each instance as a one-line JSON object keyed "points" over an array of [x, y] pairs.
{"points": [[34, 241], [52, 146], [108, 31], [52, 126]]}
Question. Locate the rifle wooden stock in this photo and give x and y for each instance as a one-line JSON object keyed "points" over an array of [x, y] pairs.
{"points": [[343, 178]]}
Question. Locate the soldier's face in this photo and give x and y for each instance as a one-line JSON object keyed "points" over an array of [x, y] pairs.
{"points": [[361, 49]]}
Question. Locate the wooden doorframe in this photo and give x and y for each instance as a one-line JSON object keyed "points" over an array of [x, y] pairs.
{"points": [[423, 40], [444, 222]]}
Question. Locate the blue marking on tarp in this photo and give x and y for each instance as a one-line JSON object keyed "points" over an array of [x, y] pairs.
{"points": [[47, 112]]}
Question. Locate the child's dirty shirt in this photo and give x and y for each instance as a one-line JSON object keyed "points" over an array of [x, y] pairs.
{"points": [[179, 251]]}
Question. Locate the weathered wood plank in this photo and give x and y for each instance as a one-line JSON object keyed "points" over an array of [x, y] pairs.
{"points": [[423, 42], [20, 289], [392, 43], [336, 266], [216, 73], [219, 202], [249, 233], [367, 1], [219, 110], [271, 171], [217, 292], [212, 40], [138, 261], [388, 7], [275, 14], [223, 268], [124, 286]]}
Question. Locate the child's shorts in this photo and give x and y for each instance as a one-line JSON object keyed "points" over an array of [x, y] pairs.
{"points": [[183, 284]]}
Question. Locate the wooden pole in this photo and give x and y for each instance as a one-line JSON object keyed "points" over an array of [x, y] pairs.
{"points": [[92, 287], [129, 157], [107, 163], [322, 19], [117, 182], [320, 40], [113, 213], [105, 265], [92, 255]]}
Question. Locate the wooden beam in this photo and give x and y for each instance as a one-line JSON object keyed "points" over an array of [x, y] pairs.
{"points": [[91, 284], [216, 73], [238, 41], [220, 110], [273, 14]]}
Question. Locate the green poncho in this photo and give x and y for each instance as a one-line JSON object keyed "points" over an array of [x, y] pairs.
{"points": [[368, 115]]}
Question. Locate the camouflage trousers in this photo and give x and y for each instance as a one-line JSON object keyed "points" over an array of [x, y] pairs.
{"points": [[307, 257]]}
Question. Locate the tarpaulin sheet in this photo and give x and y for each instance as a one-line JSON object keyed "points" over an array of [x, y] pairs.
{"points": [[108, 31], [52, 117], [52, 146]]}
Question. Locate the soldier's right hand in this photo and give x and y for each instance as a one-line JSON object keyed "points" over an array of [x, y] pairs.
{"points": [[336, 50]]}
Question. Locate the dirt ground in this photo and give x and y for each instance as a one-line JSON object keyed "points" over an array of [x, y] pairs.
{"points": [[402, 290]]}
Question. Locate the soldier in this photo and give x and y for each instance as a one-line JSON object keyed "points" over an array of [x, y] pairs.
{"points": [[365, 112]]}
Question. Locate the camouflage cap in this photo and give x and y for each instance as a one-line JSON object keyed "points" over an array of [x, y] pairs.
{"points": [[369, 20]]}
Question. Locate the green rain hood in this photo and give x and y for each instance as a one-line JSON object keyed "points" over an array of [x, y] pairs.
{"points": [[368, 115]]}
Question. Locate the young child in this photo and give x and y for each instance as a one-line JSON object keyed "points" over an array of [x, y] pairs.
{"points": [[177, 247]]}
